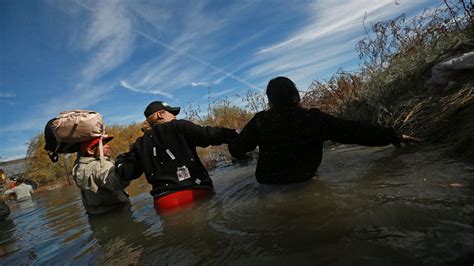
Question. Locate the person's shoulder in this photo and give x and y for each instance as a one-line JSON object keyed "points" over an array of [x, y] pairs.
{"points": [[86, 160], [261, 114], [99, 166], [183, 124], [92, 162], [312, 111], [109, 163], [140, 139]]}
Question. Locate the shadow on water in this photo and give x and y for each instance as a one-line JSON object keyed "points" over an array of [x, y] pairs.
{"points": [[366, 206]]}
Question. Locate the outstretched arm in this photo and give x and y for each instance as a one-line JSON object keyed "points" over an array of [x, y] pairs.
{"points": [[9, 191], [406, 139], [105, 176], [128, 166], [246, 141], [204, 136], [357, 132]]}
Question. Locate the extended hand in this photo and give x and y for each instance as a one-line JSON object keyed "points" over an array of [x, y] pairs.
{"points": [[406, 139]]}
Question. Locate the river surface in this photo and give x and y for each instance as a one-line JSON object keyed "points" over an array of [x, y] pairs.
{"points": [[367, 206]]}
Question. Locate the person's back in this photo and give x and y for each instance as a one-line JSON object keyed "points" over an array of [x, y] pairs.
{"points": [[21, 190], [291, 141], [167, 154], [290, 138], [172, 145], [290, 146], [101, 189]]}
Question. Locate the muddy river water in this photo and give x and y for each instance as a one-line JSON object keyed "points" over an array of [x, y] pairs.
{"points": [[366, 206]]}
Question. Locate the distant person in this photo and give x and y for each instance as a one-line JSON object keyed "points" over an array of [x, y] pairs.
{"points": [[101, 189], [167, 154], [22, 190], [31, 183], [290, 138], [3, 176]]}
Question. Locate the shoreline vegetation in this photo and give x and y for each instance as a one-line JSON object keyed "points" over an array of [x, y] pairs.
{"points": [[401, 83]]}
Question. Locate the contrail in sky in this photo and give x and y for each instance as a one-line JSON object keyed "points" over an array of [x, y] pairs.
{"points": [[228, 74], [130, 87]]}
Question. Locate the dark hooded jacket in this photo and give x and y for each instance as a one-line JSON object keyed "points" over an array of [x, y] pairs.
{"points": [[291, 140], [168, 147]]}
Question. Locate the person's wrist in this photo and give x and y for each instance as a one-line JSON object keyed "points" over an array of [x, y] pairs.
{"points": [[396, 138]]}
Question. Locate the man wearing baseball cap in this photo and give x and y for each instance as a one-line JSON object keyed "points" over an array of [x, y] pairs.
{"points": [[167, 152], [158, 106], [101, 188]]}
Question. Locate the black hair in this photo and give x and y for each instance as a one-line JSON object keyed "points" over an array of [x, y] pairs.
{"points": [[282, 92]]}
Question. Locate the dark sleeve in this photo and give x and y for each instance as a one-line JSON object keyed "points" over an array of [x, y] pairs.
{"points": [[246, 141], [204, 136], [356, 132], [128, 167]]}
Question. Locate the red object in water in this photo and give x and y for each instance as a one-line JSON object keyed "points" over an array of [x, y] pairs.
{"points": [[180, 198]]}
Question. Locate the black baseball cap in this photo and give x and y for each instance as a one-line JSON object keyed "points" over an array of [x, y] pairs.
{"points": [[156, 106]]}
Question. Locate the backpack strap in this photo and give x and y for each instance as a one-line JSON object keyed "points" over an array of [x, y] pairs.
{"points": [[53, 156]]}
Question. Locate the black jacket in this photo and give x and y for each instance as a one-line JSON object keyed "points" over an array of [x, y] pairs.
{"points": [[167, 147], [291, 141]]}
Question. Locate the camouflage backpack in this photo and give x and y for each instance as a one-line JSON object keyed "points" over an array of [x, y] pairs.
{"points": [[64, 133]]}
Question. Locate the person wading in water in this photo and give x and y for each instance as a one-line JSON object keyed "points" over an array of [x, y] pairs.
{"points": [[102, 190], [166, 153], [290, 138], [22, 190]]}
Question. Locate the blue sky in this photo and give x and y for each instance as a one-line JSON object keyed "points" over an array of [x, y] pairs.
{"points": [[115, 57]]}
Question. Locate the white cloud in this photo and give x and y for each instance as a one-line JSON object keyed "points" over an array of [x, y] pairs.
{"points": [[12, 153], [25, 124], [326, 42], [149, 91], [3, 101], [7, 95], [81, 96], [218, 94], [109, 39], [108, 42], [125, 119], [179, 34], [126, 85], [183, 63], [333, 18], [199, 84]]}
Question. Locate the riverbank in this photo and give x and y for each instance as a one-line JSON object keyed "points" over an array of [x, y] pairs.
{"points": [[442, 117], [417, 76]]}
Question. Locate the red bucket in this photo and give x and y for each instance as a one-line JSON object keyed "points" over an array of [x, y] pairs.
{"points": [[175, 199]]}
